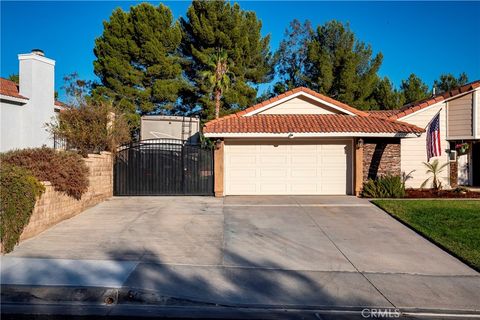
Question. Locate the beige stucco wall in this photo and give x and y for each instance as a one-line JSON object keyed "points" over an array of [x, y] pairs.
{"points": [[460, 116], [300, 105], [414, 151], [53, 206]]}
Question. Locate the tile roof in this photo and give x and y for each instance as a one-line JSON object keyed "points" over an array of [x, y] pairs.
{"points": [[10, 88], [382, 113], [289, 93], [308, 123], [412, 107]]}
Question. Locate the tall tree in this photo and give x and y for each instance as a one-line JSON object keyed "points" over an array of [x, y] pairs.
{"points": [[291, 56], [414, 89], [218, 26], [447, 82], [386, 97], [341, 66], [218, 77], [138, 61]]}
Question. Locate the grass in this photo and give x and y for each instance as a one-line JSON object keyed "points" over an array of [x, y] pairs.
{"points": [[452, 224]]}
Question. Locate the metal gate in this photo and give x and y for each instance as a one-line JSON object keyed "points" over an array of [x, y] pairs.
{"points": [[163, 167]]}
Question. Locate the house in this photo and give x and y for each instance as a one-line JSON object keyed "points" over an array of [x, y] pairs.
{"points": [[26, 107], [170, 127], [302, 142]]}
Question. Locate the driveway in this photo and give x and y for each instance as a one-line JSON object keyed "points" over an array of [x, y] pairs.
{"points": [[298, 251]]}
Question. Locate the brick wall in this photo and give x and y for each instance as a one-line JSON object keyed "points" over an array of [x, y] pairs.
{"points": [[380, 157], [53, 206]]}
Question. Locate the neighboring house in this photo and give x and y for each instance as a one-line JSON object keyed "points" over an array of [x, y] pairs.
{"points": [[459, 111], [170, 127], [26, 107], [302, 142]]}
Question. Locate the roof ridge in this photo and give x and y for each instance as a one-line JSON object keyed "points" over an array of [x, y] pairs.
{"points": [[287, 94]]}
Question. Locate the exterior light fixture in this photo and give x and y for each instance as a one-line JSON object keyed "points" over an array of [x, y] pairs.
{"points": [[360, 143]]}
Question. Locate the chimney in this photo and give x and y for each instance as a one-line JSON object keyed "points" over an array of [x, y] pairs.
{"points": [[37, 83]]}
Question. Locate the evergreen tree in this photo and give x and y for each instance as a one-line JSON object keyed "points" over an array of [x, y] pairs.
{"points": [[447, 82], [341, 66], [217, 26], [386, 97], [138, 61], [14, 77], [414, 89], [291, 56]]}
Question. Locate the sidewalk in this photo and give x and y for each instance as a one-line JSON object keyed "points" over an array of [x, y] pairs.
{"points": [[104, 282]]}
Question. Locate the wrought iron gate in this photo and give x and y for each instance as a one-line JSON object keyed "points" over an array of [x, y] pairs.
{"points": [[163, 167]]}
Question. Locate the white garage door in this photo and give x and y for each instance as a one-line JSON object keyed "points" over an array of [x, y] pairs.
{"points": [[288, 168]]}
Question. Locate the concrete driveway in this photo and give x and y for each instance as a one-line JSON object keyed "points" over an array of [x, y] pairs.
{"points": [[299, 251]]}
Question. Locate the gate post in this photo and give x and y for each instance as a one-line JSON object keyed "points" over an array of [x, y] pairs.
{"points": [[218, 168]]}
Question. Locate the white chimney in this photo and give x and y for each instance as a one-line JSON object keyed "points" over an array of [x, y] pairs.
{"points": [[37, 83]]}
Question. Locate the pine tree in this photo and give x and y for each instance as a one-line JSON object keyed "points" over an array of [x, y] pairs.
{"points": [[217, 26], [414, 89], [291, 56], [138, 61], [341, 66], [447, 82], [386, 97]]}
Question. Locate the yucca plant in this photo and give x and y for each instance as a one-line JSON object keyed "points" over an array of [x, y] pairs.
{"points": [[434, 169], [387, 186]]}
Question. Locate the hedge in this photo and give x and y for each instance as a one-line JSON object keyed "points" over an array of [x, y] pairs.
{"points": [[66, 171], [19, 190]]}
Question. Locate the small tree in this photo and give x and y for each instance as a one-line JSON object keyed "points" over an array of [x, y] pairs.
{"points": [[434, 169], [91, 127]]}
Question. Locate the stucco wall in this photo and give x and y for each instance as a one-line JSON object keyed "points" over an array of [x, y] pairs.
{"points": [[53, 206], [381, 157], [414, 151], [300, 105], [11, 125]]}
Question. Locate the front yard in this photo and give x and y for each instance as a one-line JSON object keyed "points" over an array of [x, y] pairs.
{"points": [[453, 224]]}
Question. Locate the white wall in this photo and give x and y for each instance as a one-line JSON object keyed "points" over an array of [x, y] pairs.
{"points": [[23, 126], [300, 105], [414, 150], [11, 122]]}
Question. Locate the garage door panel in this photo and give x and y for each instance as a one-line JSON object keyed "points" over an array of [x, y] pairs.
{"points": [[288, 168], [268, 159], [240, 161], [274, 173]]}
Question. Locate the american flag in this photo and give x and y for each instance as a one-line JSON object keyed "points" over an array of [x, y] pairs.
{"points": [[434, 148]]}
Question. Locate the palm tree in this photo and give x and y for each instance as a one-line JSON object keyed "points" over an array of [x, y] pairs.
{"points": [[218, 77], [434, 169]]}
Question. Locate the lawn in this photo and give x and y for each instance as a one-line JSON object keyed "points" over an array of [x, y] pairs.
{"points": [[453, 224]]}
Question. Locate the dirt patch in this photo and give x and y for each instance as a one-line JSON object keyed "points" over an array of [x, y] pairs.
{"points": [[429, 193]]}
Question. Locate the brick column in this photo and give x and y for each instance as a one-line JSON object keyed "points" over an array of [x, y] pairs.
{"points": [[218, 168], [453, 174], [358, 167]]}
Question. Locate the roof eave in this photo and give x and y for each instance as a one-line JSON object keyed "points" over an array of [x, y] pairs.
{"points": [[18, 100], [312, 135]]}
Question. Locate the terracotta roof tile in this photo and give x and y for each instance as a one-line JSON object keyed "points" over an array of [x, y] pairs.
{"points": [[10, 88], [308, 123]]}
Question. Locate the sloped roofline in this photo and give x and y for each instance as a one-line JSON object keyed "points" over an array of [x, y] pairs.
{"points": [[422, 104], [292, 93]]}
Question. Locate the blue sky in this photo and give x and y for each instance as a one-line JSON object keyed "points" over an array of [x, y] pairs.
{"points": [[426, 38]]}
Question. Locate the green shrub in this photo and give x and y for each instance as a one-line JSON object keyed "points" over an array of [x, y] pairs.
{"points": [[19, 190], [388, 186], [65, 170], [91, 127]]}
